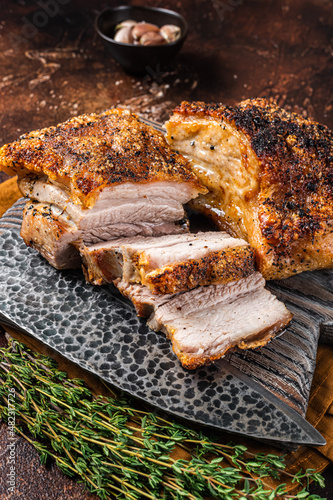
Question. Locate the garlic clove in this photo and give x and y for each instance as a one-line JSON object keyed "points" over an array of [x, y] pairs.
{"points": [[125, 24], [152, 38], [124, 35], [170, 32], [140, 28]]}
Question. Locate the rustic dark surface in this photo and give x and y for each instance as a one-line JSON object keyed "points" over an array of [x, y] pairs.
{"points": [[54, 66], [34, 481]]}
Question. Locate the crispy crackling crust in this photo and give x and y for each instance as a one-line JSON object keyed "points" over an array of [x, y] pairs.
{"points": [[295, 156], [218, 267], [90, 152]]}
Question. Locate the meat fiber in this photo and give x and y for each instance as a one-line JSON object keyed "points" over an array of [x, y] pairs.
{"points": [[110, 175], [269, 176], [204, 323], [170, 264]]}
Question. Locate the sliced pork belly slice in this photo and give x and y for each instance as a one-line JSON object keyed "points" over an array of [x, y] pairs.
{"points": [[170, 264], [125, 203], [208, 258], [269, 176], [204, 323]]}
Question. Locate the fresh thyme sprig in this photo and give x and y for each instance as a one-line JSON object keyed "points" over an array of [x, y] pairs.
{"points": [[121, 451]]}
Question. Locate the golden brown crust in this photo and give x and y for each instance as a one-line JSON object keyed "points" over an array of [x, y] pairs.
{"points": [[294, 202], [218, 267], [91, 152]]}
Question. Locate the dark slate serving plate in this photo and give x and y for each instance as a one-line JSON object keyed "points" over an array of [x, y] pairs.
{"points": [[262, 394]]}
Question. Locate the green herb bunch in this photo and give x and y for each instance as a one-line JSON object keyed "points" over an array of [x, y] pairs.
{"points": [[121, 451]]}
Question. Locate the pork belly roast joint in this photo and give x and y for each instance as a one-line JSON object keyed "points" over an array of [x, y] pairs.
{"points": [[95, 178], [269, 179]]}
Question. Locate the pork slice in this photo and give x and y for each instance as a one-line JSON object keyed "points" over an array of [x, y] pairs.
{"points": [[182, 262], [134, 252], [182, 248], [204, 323], [103, 262], [203, 326], [48, 230], [207, 258]]}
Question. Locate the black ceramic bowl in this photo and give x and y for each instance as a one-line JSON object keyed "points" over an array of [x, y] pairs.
{"points": [[136, 58]]}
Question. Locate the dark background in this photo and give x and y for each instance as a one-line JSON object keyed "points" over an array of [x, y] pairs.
{"points": [[54, 66], [235, 49]]}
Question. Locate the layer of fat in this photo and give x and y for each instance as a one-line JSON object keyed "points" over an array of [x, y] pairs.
{"points": [[222, 158]]}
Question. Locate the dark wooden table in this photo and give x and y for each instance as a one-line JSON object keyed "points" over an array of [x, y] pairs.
{"points": [[54, 66]]}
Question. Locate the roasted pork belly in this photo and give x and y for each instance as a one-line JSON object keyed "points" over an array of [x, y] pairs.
{"points": [[109, 175], [170, 264], [269, 176], [204, 323], [110, 191], [91, 154]]}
